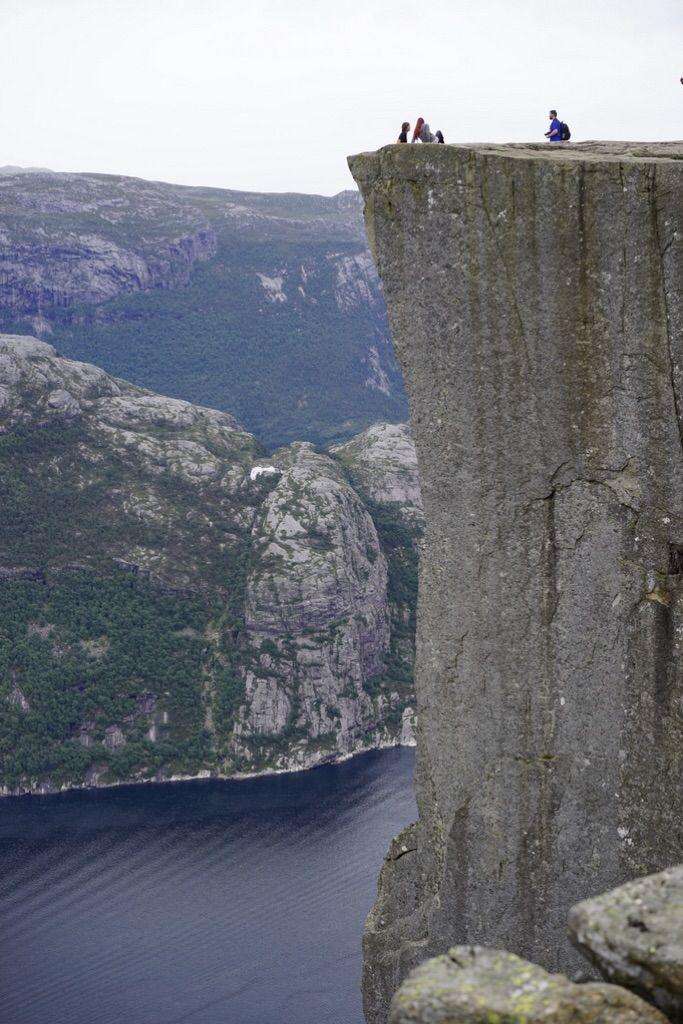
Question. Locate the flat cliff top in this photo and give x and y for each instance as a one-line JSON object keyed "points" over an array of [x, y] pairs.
{"points": [[580, 152]]}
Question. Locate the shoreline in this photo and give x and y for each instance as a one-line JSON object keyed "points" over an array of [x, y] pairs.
{"points": [[205, 775]]}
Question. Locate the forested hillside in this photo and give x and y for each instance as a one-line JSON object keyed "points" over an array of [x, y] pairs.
{"points": [[267, 306], [173, 602]]}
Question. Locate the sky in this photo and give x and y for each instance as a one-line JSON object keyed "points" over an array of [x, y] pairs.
{"points": [[271, 95]]}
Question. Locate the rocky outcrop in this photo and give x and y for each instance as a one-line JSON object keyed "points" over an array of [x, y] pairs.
{"points": [[634, 935], [330, 668], [534, 301], [382, 463], [317, 612], [473, 985], [175, 604]]}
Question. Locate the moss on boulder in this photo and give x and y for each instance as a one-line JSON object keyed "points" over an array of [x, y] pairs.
{"points": [[473, 985]]}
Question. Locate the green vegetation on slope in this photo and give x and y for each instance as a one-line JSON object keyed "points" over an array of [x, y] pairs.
{"points": [[81, 652], [287, 371], [311, 362], [161, 612]]}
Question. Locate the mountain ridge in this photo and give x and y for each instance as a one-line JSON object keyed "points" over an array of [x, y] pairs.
{"points": [[266, 305]]}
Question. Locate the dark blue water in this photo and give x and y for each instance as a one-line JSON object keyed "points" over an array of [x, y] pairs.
{"points": [[199, 902]]}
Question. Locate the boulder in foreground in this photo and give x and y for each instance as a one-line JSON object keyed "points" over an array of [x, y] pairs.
{"points": [[473, 985], [634, 935]]}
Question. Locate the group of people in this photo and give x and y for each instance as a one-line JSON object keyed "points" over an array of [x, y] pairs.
{"points": [[558, 131], [421, 132]]}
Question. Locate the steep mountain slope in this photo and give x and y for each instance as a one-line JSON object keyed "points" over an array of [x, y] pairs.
{"points": [[268, 306], [173, 603]]}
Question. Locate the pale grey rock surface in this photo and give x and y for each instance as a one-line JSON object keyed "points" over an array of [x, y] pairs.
{"points": [[474, 985], [542, 355], [45, 265], [382, 463], [634, 935], [317, 613]]}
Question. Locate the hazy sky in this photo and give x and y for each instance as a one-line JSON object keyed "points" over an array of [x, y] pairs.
{"points": [[272, 94]]}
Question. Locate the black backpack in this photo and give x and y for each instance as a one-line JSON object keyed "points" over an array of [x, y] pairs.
{"points": [[565, 134]]}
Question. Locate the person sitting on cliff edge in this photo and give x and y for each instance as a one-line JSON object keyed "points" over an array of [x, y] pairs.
{"points": [[555, 133], [440, 139], [405, 128], [422, 131]]}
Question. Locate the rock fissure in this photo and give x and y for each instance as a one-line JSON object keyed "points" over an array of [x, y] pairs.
{"points": [[673, 368], [539, 354], [527, 368]]}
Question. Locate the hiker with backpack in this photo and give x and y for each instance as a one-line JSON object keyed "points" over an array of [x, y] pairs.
{"points": [[559, 131], [422, 131]]}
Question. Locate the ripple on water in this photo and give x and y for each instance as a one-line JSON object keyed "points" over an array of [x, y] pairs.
{"points": [[200, 902]]}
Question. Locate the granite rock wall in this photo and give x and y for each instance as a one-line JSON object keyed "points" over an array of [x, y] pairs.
{"points": [[534, 302]]}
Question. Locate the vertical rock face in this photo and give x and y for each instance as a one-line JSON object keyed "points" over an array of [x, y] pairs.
{"points": [[317, 614], [534, 300]]}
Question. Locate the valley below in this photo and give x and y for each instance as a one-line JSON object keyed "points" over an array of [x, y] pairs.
{"points": [[267, 306], [208, 583], [208, 557]]}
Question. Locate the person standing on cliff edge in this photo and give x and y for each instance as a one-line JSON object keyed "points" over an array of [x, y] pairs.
{"points": [[555, 133]]}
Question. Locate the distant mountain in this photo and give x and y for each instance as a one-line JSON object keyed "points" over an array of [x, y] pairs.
{"points": [[172, 602], [16, 169], [267, 306]]}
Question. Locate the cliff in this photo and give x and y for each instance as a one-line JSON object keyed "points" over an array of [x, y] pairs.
{"points": [[174, 603], [266, 305], [534, 301]]}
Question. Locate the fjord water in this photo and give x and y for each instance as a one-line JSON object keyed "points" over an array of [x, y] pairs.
{"points": [[199, 902]]}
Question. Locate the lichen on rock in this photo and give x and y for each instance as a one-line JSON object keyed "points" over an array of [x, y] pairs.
{"points": [[634, 935], [474, 985]]}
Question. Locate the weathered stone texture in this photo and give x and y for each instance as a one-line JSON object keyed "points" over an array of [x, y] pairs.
{"points": [[381, 463], [317, 599], [534, 300], [634, 935], [472, 985]]}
